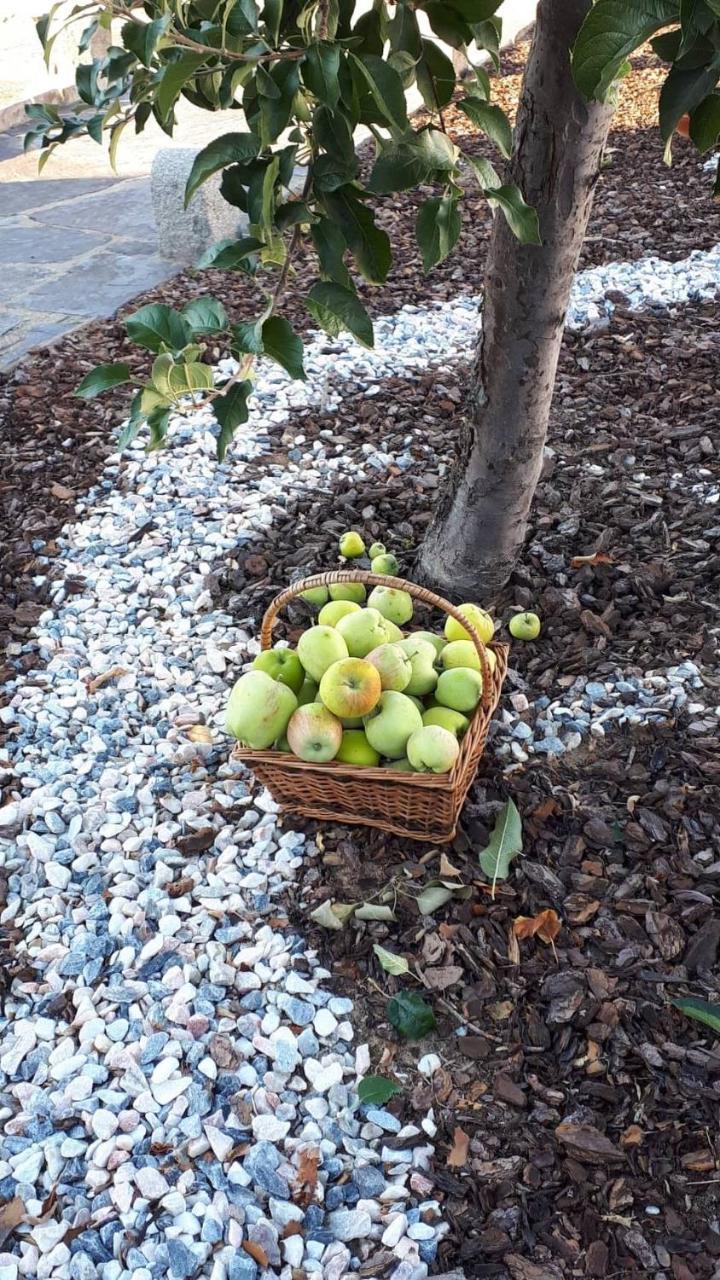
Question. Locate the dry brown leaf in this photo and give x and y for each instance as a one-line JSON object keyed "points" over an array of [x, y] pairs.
{"points": [[458, 1154], [513, 948], [113, 674], [447, 868], [60, 491], [597, 557], [441, 978], [448, 931], [198, 733], [179, 888], [257, 1252], [545, 810], [546, 926], [292, 1228], [632, 1137], [11, 1214], [308, 1167]]}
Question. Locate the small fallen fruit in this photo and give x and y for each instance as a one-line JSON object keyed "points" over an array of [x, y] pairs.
{"points": [[385, 563], [377, 549], [351, 545], [524, 626]]}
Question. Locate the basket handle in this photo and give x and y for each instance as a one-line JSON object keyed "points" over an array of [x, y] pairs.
{"points": [[376, 580]]}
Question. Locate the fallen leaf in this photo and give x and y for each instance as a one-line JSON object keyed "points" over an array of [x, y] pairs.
{"points": [[61, 492], [178, 888], [11, 1214], [307, 1174], [439, 979], [257, 1252], [513, 948], [198, 733], [332, 915], [505, 843], [458, 1154], [632, 1136], [545, 810], [447, 868], [546, 926], [292, 1228], [375, 1091], [597, 557], [374, 911], [435, 896], [390, 962], [113, 674]]}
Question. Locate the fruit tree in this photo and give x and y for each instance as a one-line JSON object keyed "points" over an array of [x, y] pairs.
{"points": [[313, 79]]}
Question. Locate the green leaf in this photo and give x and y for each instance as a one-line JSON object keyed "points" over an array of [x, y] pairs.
{"points": [[158, 423], [247, 337], [272, 17], [330, 247], [320, 72], [231, 253], [390, 962], [521, 218], [400, 166], [205, 315], [612, 30], [231, 148], [283, 346], [156, 326], [432, 898], [404, 31], [374, 911], [475, 10], [683, 90], [505, 844], [435, 76], [705, 123], [142, 39], [386, 88], [437, 228], [102, 378], [701, 1011], [492, 120], [186, 377], [485, 172], [410, 1015], [173, 79], [230, 411], [336, 308], [448, 24], [369, 245], [375, 1091], [136, 420]]}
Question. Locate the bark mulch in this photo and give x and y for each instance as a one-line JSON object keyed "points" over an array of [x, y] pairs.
{"points": [[54, 445], [586, 1104]]}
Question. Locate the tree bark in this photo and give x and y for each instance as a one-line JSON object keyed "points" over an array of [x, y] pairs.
{"points": [[473, 543]]}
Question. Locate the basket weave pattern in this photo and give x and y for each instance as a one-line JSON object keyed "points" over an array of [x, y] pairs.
{"points": [[419, 806]]}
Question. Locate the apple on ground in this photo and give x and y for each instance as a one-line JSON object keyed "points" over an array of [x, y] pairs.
{"points": [[351, 545], [314, 733], [283, 665], [524, 626], [334, 610], [362, 632], [385, 563], [460, 688], [422, 657], [392, 603], [439, 642], [315, 595], [377, 549], [454, 721], [355, 749], [308, 692], [393, 664], [478, 618], [390, 724], [351, 687], [259, 709], [432, 749], [318, 648], [462, 653], [354, 591]]}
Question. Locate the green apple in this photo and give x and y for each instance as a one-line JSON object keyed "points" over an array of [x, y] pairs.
{"points": [[394, 634], [390, 724], [315, 595], [351, 687], [334, 610], [283, 665], [393, 664], [422, 656], [355, 749], [401, 766], [282, 744], [524, 626], [377, 549], [454, 721], [318, 648], [352, 545], [308, 692], [393, 604], [438, 641], [348, 591], [314, 733], [462, 653], [478, 618], [459, 689], [432, 749], [385, 563], [259, 709], [362, 631], [418, 702]]}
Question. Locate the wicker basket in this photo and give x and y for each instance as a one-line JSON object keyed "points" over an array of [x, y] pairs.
{"points": [[420, 806]]}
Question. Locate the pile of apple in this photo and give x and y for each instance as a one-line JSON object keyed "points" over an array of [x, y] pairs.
{"points": [[358, 689]]}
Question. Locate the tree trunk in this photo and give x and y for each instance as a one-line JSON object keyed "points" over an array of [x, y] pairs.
{"points": [[472, 545]]}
